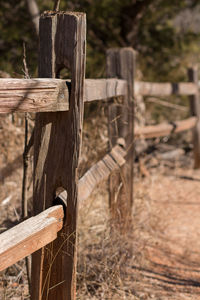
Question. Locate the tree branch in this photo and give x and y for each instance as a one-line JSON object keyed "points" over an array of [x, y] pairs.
{"points": [[34, 13], [27, 147], [56, 5]]}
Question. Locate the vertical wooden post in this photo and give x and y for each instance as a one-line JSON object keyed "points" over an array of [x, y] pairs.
{"points": [[139, 121], [56, 153], [195, 111], [121, 64]]}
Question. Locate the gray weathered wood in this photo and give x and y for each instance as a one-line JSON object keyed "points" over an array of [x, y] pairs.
{"points": [[164, 89], [98, 89], [195, 111], [56, 153], [164, 129], [121, 64], [46, 95], [33, 95], [100, 172], [30, 235]]}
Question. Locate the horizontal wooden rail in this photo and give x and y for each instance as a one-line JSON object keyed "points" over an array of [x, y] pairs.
{"points": [[100, 171], [30, 235], [164, 89], [98, 89], [33, 95], [164, 129], [42, 95], [36, 232]]}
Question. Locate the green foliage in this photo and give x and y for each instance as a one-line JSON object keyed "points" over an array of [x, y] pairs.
{"points": [[146, 25], [16, 28], [165, 52]]}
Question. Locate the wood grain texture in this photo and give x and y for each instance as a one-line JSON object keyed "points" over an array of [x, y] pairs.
{"points": [[121, 64], [164, 129], [50, 95], [164, 89], [30, 235], [100, 172], [98, 89], [56, 153], [195, 111], [33, 95]]}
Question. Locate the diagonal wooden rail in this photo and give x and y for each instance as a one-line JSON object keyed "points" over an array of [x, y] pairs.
{"points": [[36, 232], [30, 235], [100, 172], [57, 142]]}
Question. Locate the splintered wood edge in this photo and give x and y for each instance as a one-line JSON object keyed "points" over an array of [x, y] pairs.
{"points": [[33, 95], [30, 235], [49, 13]]}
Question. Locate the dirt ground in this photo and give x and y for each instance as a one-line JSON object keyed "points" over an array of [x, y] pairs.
{"points": [[165, 259], [170, 268], [159, 259]]}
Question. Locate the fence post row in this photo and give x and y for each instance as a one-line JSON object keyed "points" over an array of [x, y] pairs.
{"points": [[57, 141], [195, 111], [121, 64], [56, 153]]}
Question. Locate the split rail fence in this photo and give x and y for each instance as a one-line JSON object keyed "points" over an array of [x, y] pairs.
{"points": [[50, 236]]}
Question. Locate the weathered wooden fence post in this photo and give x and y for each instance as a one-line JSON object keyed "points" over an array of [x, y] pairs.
{"points": [[195, 111], [56, 153], [121, 64]]}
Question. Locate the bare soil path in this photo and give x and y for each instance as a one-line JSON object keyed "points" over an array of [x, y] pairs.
{"points": [[170, 268], [165, 263]]}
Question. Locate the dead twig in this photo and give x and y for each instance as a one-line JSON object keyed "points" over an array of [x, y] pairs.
{"points": [[25, 153], [167, 104], [26, 160], [34, 13]]}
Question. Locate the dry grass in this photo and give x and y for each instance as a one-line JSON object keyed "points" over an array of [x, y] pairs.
{"points": [[104, 256], [144, 263]]}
